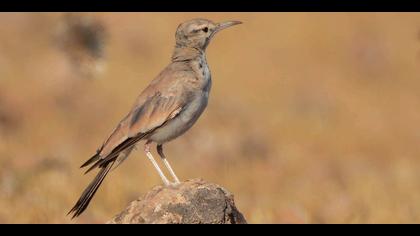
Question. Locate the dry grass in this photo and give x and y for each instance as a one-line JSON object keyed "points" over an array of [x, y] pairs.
{"points": [[313, 117]]}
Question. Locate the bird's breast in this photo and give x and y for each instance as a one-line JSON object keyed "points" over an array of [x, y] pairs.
{"points": [[202, 73], [199, 89]]}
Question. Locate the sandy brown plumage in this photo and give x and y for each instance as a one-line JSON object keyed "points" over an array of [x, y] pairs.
{"points": [[167, 108]]}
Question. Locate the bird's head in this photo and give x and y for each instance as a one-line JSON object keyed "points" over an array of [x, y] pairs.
{"points": [[197, 33]]}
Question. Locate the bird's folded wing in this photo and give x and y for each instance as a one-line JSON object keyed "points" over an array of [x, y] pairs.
{"points": [[140, 122], [160, 102], [153, 113]]}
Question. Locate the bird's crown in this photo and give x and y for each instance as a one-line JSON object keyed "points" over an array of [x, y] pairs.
{"points": [[196, 33]]}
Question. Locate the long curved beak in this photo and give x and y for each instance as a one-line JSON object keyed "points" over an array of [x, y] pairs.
{"points": [[226, 24]]}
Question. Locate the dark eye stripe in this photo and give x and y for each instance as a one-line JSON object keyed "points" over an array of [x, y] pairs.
{"points": [[205, 29]]}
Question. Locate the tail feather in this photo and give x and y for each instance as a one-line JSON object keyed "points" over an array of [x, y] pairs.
{"points": [[91, 160], [105, 165], [90, 191], [128, 143]]}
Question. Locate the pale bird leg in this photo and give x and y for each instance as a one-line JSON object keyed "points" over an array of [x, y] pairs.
{"points": [[149, 155], [168, 166]]}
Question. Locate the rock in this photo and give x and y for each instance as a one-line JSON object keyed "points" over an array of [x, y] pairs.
{"points": [[192, 202]]}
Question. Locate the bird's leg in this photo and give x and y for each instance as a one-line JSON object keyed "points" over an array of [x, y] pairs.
{"points": [[149, 155], [159, 148]]}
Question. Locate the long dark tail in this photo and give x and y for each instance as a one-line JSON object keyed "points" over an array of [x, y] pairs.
{"points": [[105, 165], [90, 191]]}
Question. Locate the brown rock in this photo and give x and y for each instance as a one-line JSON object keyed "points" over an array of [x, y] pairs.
{"points": [[192, 202]]}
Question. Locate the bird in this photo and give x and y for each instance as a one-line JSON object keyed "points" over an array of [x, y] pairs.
{"points": [[164, 110]]}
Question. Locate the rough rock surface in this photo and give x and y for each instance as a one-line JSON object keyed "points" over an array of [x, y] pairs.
{"points": [[192, 202]]}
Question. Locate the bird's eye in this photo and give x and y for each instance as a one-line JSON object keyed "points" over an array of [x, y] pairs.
{"points": [[205, 29]]}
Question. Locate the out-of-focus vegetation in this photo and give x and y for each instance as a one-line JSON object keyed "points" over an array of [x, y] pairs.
{"points": [[313, 117]]}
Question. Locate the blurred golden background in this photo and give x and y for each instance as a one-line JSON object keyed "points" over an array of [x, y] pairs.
{"points": [[313, 117]]}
